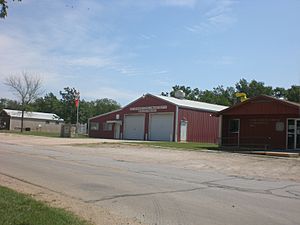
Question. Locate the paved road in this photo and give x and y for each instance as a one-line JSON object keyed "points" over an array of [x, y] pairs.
{"points": [[155, 193]]}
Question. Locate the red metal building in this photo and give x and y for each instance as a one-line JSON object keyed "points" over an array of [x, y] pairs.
{"points": [[159, 118], [262, 122]]}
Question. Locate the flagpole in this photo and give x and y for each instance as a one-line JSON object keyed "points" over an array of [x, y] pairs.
{"points": [[77, 107], [77, 125]]}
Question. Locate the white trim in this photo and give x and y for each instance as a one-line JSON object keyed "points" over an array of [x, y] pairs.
{"points": [[186, 132], [189, 104], [239, 130], [160, 113], [238, 127], [176, 125], [104, 114], [114, 121], [118, 134], [220, 130], [133, 114], [88, 127], [32, 115], [295, 133]]}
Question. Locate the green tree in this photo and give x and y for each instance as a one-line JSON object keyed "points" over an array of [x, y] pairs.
{"points": [[69, 111], [65, 107], [186, 90], [4, 7], [86, 110], [293, 93], [26, 88], [9, 104], [49, 104], [254, 88], [280, 92], [219, 95], [104, 105]]}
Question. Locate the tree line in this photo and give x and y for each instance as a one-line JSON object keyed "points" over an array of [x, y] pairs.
{"points": [[226, 95], [27, 89], [64, 106]]}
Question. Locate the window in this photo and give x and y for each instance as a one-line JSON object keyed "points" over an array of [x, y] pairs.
{"points": [[107, 126], [234, 126], [94, 126]]}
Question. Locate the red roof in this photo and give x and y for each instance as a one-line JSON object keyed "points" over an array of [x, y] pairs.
{"points": [[268, 105]]}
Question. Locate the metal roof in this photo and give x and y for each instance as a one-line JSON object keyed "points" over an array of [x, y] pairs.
{"points": [[192, 104], [293, 104], [33, 115]]}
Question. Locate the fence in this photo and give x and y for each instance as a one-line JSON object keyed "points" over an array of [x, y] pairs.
{"points": [[82, 129], [241, 143]]}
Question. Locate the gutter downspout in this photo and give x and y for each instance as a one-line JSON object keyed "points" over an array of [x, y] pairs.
{"points": [[88, 127], [176, 125], [220, 131]]}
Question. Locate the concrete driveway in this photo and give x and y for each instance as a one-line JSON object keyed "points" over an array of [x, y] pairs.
{"points": [[156, 186]]}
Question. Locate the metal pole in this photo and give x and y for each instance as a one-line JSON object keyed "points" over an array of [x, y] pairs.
{"points": [[77, 119], [77, 123]]}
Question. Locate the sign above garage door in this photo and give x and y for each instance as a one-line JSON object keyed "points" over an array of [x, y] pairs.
{"points": [[149, 108]]}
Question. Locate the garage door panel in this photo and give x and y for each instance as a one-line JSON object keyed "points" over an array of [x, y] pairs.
{"points": [[161, 127], [134, 127]]}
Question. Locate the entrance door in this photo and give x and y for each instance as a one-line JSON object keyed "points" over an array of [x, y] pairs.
{"points": [[183, 130], [297, 134], [117, 131], [293, 134]]}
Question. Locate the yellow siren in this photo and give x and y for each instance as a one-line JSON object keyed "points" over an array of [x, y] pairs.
{"points": [[242, 96]]}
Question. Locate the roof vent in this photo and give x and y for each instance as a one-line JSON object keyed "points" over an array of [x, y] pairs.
{"points": [[179, 94]]}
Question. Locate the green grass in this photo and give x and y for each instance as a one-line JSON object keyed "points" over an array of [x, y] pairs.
{"points": [[20, 209], [35, 133], [39, 133], [191, 146]]}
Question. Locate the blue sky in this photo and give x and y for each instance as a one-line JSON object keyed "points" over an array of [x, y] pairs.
{"points": [[123, 49]]}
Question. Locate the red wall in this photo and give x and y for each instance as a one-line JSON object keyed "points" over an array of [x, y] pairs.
{"points": [[202, 126], [256, 132], [145, 101], [258, 118], [101, 133]]}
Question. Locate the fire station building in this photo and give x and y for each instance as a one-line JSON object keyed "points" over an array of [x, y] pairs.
{"points": [[159, 118]]}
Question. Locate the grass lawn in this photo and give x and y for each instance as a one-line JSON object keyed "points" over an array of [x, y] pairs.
{"points": [[39, 133], [20, 209], [191, 146]]}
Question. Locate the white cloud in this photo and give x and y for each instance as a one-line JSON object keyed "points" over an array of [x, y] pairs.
{"points": [[147, 36], [124, 96], [161, 72], [90, 62], [219, 17], [185, 3], [223, 60]]}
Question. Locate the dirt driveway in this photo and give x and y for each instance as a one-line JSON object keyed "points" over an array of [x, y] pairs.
{"points": [[227, 164]]}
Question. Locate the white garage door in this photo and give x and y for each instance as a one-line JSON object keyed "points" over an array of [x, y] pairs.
{"points": [[134, 126], [161, 127]]}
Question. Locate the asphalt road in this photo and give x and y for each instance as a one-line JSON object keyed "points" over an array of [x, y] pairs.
{"points": [[155, 193]]}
